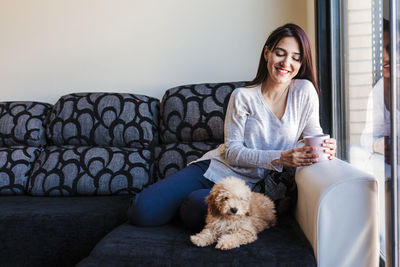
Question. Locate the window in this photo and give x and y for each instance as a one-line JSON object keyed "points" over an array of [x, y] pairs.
{"points": [[362, 99], [362, 31]]}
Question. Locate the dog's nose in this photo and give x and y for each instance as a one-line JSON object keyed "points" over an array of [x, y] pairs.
{"points": [[233, 210]]}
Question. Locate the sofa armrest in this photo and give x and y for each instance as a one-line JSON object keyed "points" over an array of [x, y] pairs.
{"points": [[337, 210]]}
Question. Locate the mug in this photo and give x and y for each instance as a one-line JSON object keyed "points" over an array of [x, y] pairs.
{"points": [[316, 141]]}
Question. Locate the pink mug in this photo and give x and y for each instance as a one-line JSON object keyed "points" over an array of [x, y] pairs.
{"points": [[316, 141]]}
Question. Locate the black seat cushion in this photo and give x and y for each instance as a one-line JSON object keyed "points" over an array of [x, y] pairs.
{"points": [[55, 231], [127, 245]]}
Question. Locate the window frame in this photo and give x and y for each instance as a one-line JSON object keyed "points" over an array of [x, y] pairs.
{"points": [[330, 60]]}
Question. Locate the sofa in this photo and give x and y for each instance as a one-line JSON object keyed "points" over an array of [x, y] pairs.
{"points": [[68, 172]]}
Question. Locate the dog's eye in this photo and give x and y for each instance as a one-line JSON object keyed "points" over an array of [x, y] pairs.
{"points": [[226, 198]]}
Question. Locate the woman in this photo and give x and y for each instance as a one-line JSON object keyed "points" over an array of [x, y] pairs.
{"points": [[377, 124], [263, 123]]}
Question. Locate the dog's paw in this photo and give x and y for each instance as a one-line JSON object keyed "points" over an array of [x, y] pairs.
{"points": [[226, 246], [227, 243], [200, 241]]}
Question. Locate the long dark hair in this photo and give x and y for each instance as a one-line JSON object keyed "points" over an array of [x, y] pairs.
{"points": [[306, 70], [386, 25]]}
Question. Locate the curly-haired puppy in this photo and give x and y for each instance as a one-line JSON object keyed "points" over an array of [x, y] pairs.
{"points": [[235, 215]]}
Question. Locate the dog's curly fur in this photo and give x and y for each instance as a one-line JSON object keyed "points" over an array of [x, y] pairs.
{"points": [[235, 215]]}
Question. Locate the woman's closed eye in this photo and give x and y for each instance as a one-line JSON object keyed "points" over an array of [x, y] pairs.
{"points": [[280, 53], [283, 54]]}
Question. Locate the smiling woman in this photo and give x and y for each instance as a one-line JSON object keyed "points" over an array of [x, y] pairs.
{"points": [[263, 122], [285, 60], [301, 50], [283, 64]]}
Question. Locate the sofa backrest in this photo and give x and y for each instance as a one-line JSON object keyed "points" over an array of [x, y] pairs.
{"points": [[196, 112], [22, 123], [104, 119], [99, 144], [22, 136], [191, 124]]}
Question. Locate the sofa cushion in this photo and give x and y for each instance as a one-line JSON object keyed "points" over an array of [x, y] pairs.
{"points": [[15, 166], [22, 123], [127, 245], [195, 112], [171, 158], [55, 231], [104, 119], [69, 171]]}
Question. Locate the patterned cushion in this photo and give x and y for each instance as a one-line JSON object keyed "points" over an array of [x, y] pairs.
{"points": [[22, 123], [104, 119], [69, 170], [195, 112], [171, 158], [15, 165]]}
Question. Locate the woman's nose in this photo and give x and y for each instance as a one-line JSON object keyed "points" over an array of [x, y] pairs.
{"points": [[385, 55], [285, 62]]}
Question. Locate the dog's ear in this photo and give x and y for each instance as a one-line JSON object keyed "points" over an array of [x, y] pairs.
{"points": [[212, 203]]}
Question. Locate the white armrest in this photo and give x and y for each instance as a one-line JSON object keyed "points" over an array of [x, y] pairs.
{"points": [[337, 210]]}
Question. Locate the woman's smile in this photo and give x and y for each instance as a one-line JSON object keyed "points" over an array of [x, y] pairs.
{"points": [[282, 71]]}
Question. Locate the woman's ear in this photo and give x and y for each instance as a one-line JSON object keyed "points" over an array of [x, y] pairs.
{"points": [[266, 53]]}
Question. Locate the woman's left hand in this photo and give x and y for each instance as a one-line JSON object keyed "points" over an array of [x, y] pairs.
{"points": [[329, 146]]}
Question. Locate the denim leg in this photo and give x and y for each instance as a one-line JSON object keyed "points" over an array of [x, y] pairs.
{"points": [[193, 210], [159, 203]]}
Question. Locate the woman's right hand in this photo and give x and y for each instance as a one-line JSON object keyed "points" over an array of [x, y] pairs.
{"points": [[379, 145], [299, 156]]}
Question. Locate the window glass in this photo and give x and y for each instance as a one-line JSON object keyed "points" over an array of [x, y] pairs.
{"points": [[365, 110], [391, 74]]}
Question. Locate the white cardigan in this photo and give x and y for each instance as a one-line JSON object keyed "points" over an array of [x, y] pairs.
{"points": [[254, 136]]}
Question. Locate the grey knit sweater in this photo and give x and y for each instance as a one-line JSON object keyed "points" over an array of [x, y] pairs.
{"points": [[254, 136]]}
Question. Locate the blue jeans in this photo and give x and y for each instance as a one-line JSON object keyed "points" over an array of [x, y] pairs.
{"points": [[185, 190]]}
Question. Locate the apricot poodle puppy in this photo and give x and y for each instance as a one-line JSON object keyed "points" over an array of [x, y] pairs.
{"points": [[235, 215]]}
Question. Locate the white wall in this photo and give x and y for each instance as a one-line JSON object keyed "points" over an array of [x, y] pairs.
{"points": [[49, 48]]}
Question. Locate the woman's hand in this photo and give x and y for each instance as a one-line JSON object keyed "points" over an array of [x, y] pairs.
{"points": [[299, 156], [379, 145], [329, 146]]}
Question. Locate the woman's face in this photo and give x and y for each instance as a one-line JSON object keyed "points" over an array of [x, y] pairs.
{"points": [[386, 56], [284, 61]]}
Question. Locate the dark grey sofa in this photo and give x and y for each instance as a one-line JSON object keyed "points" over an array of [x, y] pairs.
{"points": [[88, 154], [55, 231]]}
